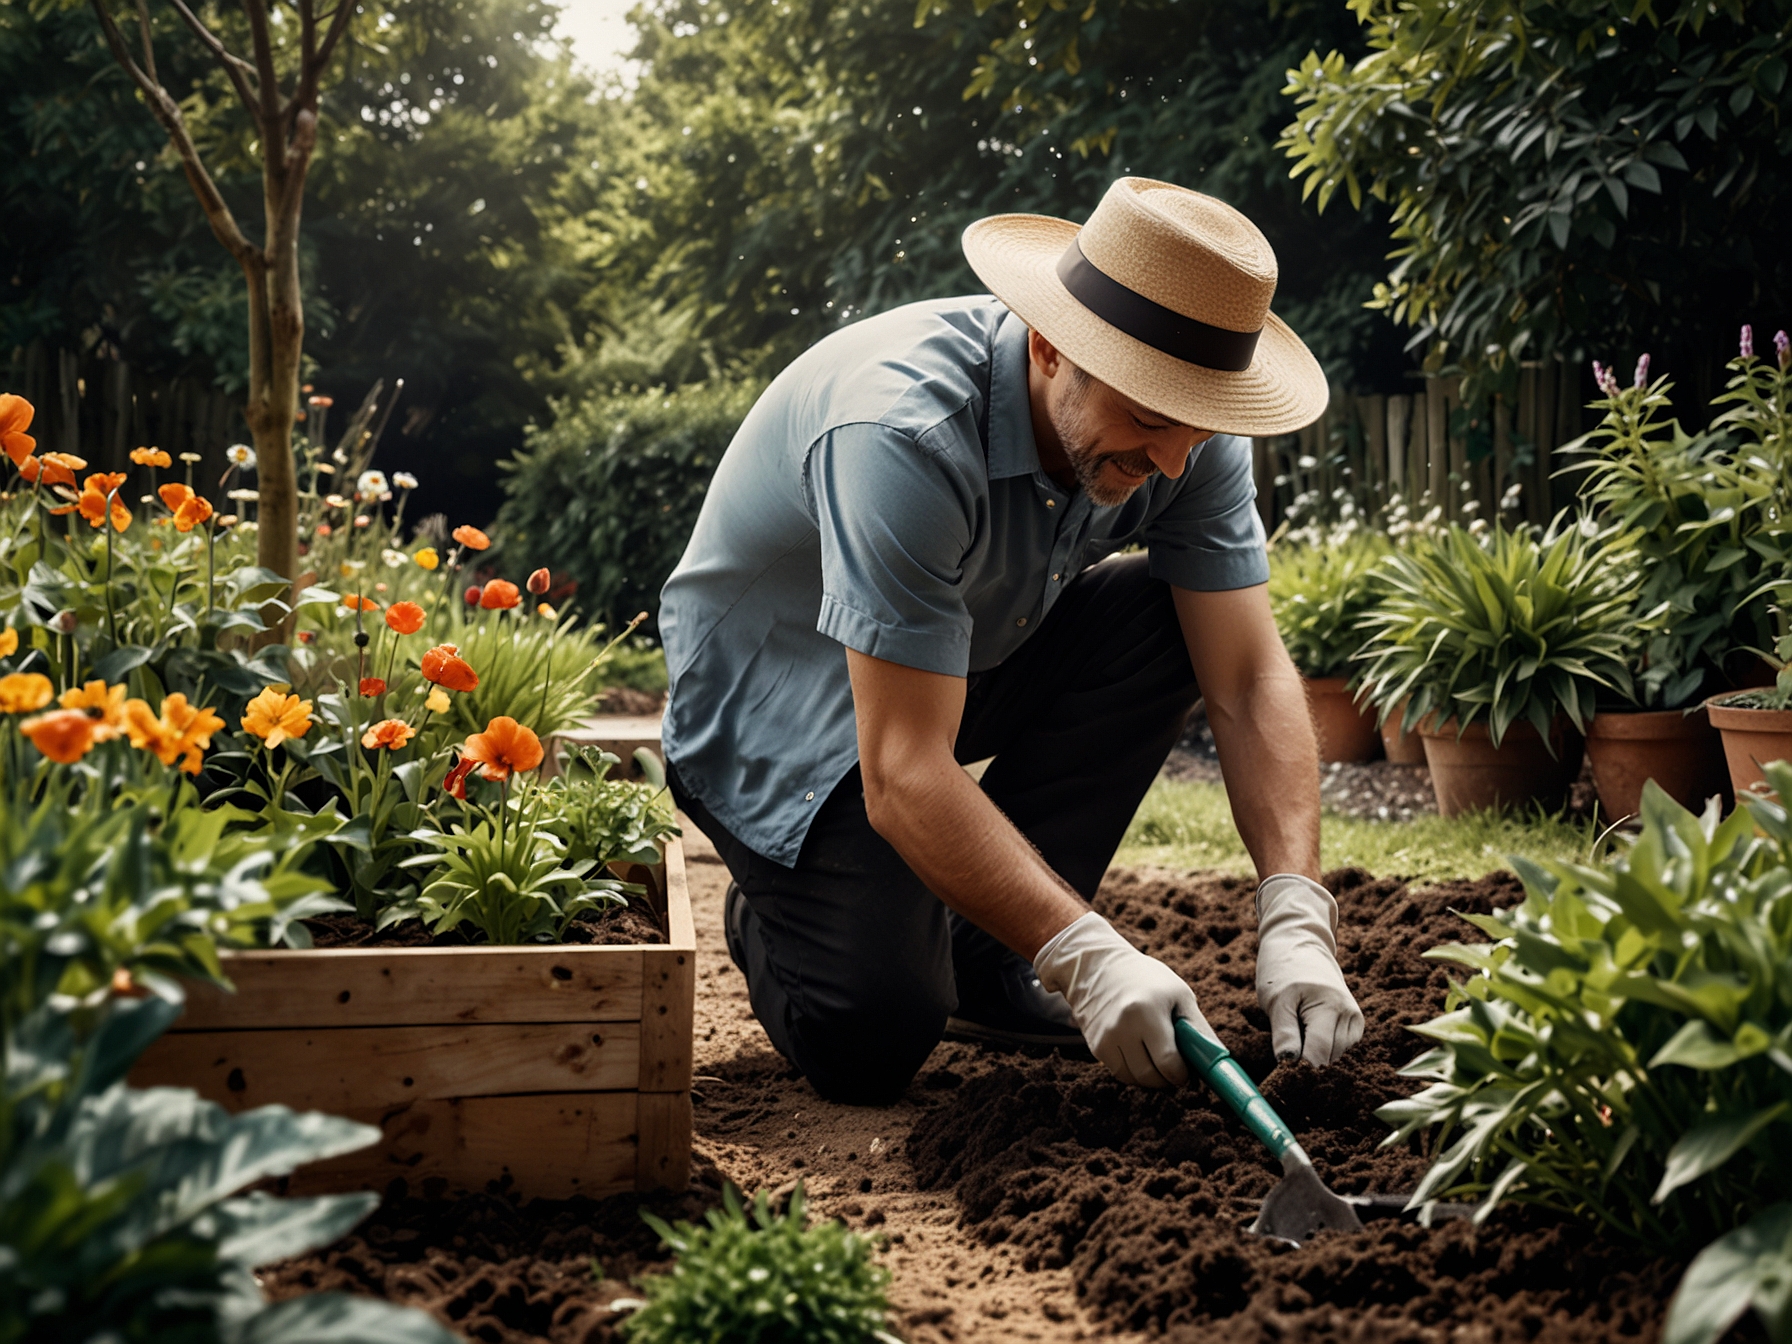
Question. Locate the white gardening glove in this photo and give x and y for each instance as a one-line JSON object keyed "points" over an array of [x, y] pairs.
{"points": [[1298, 981], [1124, 1002]]}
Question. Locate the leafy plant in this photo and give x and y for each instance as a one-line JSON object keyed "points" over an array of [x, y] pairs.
{"points": [[1320, 593], [1512, 627], [1623, 1051], [607, 820], [1650, 479], [755, 1277], [118, 1212]]}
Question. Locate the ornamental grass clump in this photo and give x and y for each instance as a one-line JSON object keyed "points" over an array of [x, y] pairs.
{"points": [[1320, 593], [756, 1277], [1623, 1053], [1504, 627]]}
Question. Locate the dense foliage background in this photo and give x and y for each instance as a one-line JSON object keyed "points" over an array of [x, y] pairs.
{"points": [[526, 245]]}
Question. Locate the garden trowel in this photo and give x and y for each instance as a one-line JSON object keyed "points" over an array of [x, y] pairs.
{"points": [[1300, 1204]]}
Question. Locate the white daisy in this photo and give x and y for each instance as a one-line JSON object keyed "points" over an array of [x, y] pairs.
{"points": [[371, 485], [240, 455], [404, 480]]}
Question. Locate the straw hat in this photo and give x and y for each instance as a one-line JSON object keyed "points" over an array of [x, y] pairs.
{"points": [[1164, 295]]}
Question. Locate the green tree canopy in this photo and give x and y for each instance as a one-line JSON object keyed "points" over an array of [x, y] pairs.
{"points": [[1566, 176]]}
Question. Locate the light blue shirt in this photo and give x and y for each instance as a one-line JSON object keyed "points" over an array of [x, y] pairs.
{"points": [[885, 495]]}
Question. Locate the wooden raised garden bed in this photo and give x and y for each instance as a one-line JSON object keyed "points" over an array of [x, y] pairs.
{"points": [[565, 1068]]}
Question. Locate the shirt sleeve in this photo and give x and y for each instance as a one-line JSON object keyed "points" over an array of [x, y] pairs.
{"points": [[896, 518], [1209, 537]]}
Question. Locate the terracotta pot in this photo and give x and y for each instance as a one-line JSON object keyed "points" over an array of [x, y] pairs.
{"points": [[1401, 748], [1346, 733], [1471, 773], [1680, 752], [1752, 737]]}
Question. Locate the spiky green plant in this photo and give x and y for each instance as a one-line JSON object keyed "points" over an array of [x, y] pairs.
{"points": [[1504, 626]]}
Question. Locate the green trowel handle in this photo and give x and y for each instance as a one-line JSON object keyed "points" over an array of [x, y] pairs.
{"points": [[1224, 1075]]}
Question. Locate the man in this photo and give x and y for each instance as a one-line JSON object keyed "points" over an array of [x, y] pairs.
{"points": [[895, 574]]}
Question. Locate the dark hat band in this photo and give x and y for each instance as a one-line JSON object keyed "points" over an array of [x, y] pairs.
{"points": [[1161, 328]]}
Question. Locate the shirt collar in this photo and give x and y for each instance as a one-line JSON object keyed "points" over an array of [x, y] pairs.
{"points": [[1012, 451]]}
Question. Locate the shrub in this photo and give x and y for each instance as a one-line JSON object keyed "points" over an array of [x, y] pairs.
{"points": [[1624, 1051], [1320, 592], [1510, 627], [608, 494], [761, 1278]]}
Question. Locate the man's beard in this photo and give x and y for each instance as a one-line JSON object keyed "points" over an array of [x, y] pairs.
{"points": [[1090, 466], [1086, 463]]}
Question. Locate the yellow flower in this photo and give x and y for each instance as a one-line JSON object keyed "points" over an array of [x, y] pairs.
{"points": [[181, 730], [273, 717], [437, 702], [9, 642], [104, 703], [427, 558], [24, 692]]}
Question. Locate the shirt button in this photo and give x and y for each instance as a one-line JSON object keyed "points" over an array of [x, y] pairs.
{"points": [[1054, 578], [1051, 503], [809, 797], [1021, 621]]}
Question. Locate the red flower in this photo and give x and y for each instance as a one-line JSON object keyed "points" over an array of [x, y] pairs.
{"points": [[472, 596], [539, 581], [456, 783], [372, 686], [445, 667], [500, 595]]}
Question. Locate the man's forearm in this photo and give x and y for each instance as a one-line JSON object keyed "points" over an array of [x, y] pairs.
{"points": [[969, 854], [1270, 760]]}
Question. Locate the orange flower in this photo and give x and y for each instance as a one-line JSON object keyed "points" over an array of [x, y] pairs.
{"points": [[355, 602], [445, 667], [30, 468], [181, 731], [151, 457], [372, 686], [405, 617], [24, 692], [9, 641], [389, 733], [174, 494], [505, 745], [93, 503], [103, 703], [64, 735], [59, 468], [500, 595], [192, 513], [15, 419], [471, 537], [539, 581], [105, 481], [274, 716]]}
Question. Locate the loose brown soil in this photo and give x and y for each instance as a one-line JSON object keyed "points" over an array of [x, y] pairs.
{"points": [[1034, 1198], [614, 926]]}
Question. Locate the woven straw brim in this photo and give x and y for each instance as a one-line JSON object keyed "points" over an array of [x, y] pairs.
{"points": [[1283, 390]]}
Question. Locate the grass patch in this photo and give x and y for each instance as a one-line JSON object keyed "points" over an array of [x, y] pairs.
{"points": [[1188, 825]]}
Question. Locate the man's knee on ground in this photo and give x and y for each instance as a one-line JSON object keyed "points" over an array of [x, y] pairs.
{"points": [[864, 1056]]}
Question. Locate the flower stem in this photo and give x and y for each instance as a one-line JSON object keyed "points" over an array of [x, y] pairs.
{"points": [[111, 613]]}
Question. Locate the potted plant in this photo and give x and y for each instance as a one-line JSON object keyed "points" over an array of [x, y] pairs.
{"points": [[1497, 642], [1646, 476], [1319, 590]]}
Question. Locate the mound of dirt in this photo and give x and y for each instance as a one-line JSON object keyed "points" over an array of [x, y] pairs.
{"points": [[1144, 1196], [498, 1269]]}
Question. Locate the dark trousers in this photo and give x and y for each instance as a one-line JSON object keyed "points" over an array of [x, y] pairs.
{"points": [[851, 962]]}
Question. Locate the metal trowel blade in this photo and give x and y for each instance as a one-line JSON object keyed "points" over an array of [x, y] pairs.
{"points": [[1300, 1205]]}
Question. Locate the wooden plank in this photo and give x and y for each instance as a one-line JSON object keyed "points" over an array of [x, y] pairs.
{"points": [[417, 986], [663, 1159], [345, 1069], [1373, 411], [619, 734], [1399, 431], [668, 997], [1437, 444], [550, 1146]]}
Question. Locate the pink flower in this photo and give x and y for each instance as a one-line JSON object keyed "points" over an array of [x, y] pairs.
{"points": [[1642, 372], [1748, 341]]}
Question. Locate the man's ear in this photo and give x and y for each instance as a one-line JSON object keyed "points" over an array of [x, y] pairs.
{"points": [[1043, 354]]}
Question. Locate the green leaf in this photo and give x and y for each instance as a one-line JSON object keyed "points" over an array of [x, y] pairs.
{"points": [[1707, 1146], [1697, 1046], [1751, 1266]]}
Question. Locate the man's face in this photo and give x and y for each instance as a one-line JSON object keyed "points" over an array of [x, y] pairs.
{"points": [[1113, 444]]}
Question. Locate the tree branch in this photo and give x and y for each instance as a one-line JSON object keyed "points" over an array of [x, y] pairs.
{"points": [[235, 66], [267, 75], [149, 49], [311, 73], [166, 111]]}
